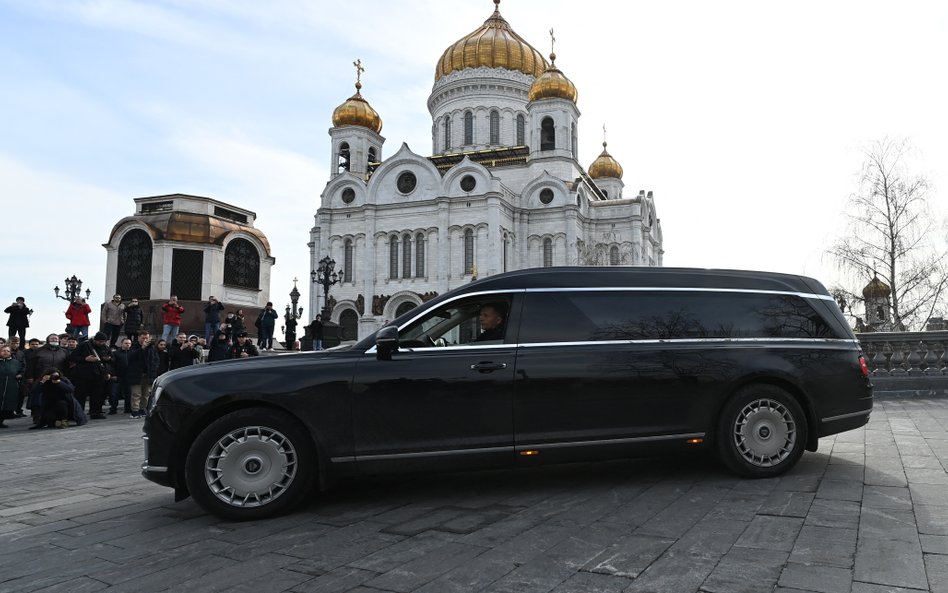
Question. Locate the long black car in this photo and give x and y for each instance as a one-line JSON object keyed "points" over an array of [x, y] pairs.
{"points": [[571, 364]]}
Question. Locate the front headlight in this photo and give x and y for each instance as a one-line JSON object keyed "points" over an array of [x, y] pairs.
{"points": [[156, 390]]}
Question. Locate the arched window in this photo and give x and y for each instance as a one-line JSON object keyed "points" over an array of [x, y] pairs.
{"points": [[547, 134], [404, 308], [494, 127], [393, 258], [373, 159], [349, 324], [406, 256], [133, 277], [468, 251], [242, 264], [572, 136], [420, 255], [521, 130], [506, 243], [468, 128], [343, 158], [613, 256], [347, 261], [547, 252], [447, 133]]}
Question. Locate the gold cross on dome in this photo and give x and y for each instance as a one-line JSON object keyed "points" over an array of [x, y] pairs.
{"points": [[552, 41]]}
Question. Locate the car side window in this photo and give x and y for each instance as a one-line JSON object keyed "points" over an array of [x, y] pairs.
{"points": [[468, 321]]}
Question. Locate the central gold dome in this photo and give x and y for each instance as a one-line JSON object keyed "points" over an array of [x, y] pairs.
{"points": [[493, 45]]}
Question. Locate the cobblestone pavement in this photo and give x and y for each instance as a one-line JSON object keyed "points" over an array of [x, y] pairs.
{"points": [[868, 513]]}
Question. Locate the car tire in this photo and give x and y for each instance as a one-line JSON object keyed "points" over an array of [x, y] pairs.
{"points": [[251, 464], [762, 432]]}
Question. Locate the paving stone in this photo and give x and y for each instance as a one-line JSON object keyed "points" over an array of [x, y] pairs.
{"points": [[824, 579], [831, 546], [926, 476], [417, 572], [934, 544], [673, 572], [888, 524], [474, 575], [932, 520], [831, 489], [873, 588], [683, 514], [340, 579], [737, 507], [787, 504], [843, 514], [745, 570], [629, 556], [585, 582], [890, 562], [928, 494], [887, 497], [771, 533], [937, 568], [538, 575], [711, 538]]}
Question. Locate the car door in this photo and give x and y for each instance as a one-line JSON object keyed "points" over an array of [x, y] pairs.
{"points": [[444, 400]]}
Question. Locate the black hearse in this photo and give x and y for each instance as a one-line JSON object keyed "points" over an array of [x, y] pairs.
{"points": [[578, 364]]}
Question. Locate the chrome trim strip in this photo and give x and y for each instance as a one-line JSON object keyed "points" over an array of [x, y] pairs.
{"points": [[422, 454], [472, 347], [347, 459], [663, 437], [805, 295], [771, 342], [850, 415], [154, 468]]}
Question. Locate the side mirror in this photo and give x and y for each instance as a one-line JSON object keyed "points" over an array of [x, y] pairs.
{"points": [[386, 342]]}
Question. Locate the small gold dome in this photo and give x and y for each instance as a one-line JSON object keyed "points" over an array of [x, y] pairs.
{"points": [[356, 111], [876, 289], [552, 84], [494, 45], [605, 166]]}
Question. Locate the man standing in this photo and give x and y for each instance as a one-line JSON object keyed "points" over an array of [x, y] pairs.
{"points": [[243, 347], [121, 388], [171, 319], [181, 353], [142, 370], [113, 313], [19, 318], [212, 318], [78, 316], [134, 318], [266, 323], [91, 373], [316, 330]]}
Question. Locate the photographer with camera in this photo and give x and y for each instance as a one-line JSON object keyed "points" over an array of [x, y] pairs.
{"points": [[19, 318], [78, 315], [212, 318]]}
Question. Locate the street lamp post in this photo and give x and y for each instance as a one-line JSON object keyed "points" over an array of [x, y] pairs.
{"points": [[73, 289], [291, 317], [326, 276]]}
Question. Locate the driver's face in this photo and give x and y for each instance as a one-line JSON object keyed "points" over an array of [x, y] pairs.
{"points": [[489, 318]]}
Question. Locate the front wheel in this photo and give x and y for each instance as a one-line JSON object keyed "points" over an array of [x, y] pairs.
{"points": [[762, 432], [250, 464]]}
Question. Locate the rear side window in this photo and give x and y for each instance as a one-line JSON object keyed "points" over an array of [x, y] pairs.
{"points": [[577, 316]]}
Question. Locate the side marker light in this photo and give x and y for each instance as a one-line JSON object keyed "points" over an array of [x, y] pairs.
{"points": [[529, 453], [694, 441]]}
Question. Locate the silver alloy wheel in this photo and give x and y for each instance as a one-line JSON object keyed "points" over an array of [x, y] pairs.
{"points": [[765, 432], [250, 466]]}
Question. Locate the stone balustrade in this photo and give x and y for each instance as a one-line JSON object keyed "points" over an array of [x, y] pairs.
{"points": [[914, 354]]}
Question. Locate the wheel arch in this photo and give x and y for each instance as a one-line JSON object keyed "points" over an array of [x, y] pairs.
{"points": [[812, 438]]}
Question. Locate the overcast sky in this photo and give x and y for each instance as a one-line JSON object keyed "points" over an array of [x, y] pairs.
{"points": [[746, 119]]}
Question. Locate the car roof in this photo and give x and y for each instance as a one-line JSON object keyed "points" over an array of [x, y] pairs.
{"points": [[659, 277]]}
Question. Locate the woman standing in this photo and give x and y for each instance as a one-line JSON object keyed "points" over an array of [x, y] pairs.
{"points": [[11, 371], [163, 357]]}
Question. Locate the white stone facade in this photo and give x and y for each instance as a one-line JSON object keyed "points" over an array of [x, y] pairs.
{"points": [[500, 199]]}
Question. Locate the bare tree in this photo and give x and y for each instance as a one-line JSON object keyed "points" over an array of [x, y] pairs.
{"points": [[893, 234]]}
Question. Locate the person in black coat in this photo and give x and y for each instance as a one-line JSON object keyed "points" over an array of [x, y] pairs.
{"points": [[134, 318], [243, 347], [219, 348], [121, 381], [93, 361], [57, 398], [19, 318], [181, 353]]}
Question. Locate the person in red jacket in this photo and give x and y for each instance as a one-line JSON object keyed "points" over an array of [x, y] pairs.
{"points": [[78, 315], [171, 318]]}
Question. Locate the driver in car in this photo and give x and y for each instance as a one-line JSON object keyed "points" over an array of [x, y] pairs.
{"points": [[492, 317]]}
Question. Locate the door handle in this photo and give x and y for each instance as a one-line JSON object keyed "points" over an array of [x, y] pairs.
{"points": [[487, 367]]}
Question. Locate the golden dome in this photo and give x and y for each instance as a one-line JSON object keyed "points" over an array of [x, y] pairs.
{"points": [[494, 45], [552, 84], [356, 111], [605, 166], [876, 289]]}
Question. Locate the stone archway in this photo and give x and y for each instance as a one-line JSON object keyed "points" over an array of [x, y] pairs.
{"points": [[348, 325]]}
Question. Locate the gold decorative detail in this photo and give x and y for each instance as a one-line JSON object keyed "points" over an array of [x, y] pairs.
{"points": [[553, 84], [190, 227], [876, 289], [605, 165], [356, 111], [493, 45]]}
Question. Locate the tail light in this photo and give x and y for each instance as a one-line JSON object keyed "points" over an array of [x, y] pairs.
{"points": [[863, 366]]}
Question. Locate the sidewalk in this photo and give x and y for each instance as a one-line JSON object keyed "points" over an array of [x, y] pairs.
{"points": [[868, 513]]}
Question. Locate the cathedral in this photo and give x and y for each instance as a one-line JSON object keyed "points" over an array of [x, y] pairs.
{"points": [[503, 190]]}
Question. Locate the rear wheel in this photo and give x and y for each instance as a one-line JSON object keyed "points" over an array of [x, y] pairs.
{"points": [[762, 432], [250, 464]]}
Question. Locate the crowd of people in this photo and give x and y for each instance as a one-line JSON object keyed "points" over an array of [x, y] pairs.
{"points": [[68, 379]]}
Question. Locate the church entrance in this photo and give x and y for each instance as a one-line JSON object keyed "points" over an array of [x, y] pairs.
{"points": [[348, 325]]}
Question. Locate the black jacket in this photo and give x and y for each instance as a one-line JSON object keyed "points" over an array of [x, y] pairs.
{"points": [[19, 316]]}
